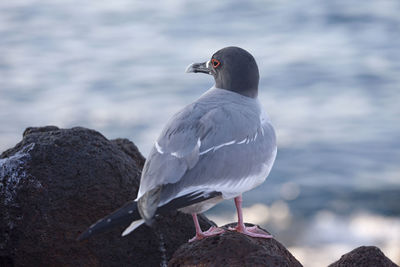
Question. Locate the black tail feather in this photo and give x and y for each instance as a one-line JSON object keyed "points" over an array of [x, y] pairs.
{"points": [[124, 215], [129, 212]]}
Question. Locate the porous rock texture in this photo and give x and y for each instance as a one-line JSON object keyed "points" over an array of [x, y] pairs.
{"points": [[365, 256], [233, 249], [57, 182]]}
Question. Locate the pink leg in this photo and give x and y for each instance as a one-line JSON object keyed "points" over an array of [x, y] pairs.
{"points": [[200, 234], [241, 228]]}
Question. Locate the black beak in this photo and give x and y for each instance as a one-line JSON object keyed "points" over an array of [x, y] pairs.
{"points": [[199, 67]]}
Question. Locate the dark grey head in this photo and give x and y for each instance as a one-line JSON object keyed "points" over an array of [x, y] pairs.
{"points": [[233, 68]]}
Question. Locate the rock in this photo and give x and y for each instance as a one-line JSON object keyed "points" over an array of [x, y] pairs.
{"points": [[57, 182], [364, 257], [233, 249]]}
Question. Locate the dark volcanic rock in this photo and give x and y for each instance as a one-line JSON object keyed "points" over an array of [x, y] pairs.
{"points": [[57, 182], [233, 249], [364, 257]]}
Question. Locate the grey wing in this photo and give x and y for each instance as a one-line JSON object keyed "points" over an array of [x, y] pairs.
{"points": [[174, 153], [236, 153]]}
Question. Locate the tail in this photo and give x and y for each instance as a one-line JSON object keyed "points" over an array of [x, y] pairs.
{"points": [[129, 213], [123, 216]]}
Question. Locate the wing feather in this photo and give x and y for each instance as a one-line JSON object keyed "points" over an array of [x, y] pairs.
{"points": [[217, 144]]}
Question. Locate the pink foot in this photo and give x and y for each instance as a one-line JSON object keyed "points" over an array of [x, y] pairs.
{"points": [[252, 231], [210, 232]]}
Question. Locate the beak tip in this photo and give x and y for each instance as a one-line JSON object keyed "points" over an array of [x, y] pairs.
{"points": [[198, 68], [190, 68]]}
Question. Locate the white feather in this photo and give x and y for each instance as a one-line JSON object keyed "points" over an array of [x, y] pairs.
{"points": [[132, 227], [215, 148], [243, 141], [159, 149]]}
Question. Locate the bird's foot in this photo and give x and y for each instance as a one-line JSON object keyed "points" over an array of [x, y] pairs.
{"points": [[210, 232], [252, 231]]}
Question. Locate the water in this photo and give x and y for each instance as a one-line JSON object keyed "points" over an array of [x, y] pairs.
{"points": [[329, 81]]}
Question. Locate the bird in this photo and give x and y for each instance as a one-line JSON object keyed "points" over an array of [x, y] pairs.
{"points": [[216, 148]]}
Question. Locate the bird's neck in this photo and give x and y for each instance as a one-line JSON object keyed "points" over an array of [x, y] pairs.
{"points": [[246, 86], [251, 92]]}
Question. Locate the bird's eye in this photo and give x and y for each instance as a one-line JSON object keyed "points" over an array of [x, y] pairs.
{"points": [[215, 63]]}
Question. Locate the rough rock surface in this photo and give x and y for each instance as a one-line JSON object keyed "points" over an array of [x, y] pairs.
{"points": [[233, 249], [364, 257], [57, 182]]}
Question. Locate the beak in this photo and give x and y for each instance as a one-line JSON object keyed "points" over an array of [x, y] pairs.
{"points": [[199, 67]]}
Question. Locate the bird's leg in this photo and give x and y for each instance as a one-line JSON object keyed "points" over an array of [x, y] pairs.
{"points": [[241, 228], [200, 234]]}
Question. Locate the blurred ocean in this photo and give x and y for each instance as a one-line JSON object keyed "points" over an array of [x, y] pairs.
{"points": [[330, 81]]}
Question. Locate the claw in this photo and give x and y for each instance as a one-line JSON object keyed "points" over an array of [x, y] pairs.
{"points": [[210, 232], [252, 231]]}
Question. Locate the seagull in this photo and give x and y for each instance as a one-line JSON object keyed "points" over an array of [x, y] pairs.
{"points": [[216, 148]]}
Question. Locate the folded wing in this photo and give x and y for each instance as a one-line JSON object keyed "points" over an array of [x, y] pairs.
{"points": [[227, 149]]}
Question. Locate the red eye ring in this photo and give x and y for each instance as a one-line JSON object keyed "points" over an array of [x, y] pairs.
{"points": [[215, 63]]}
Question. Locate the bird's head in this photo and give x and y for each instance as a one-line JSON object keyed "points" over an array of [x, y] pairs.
{"points": [[233, 69]]}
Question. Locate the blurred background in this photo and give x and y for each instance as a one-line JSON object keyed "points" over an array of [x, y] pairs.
{"points": [[330, 81]]}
